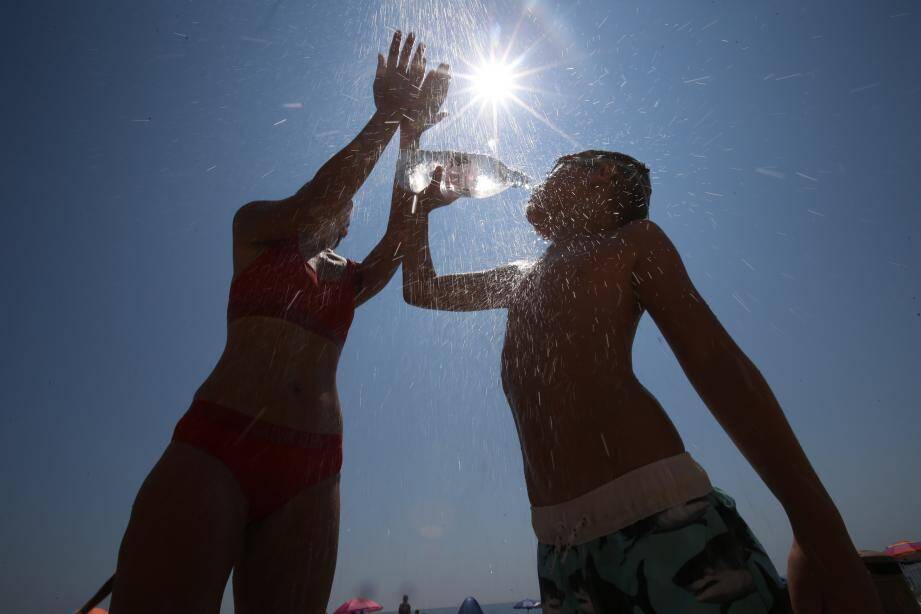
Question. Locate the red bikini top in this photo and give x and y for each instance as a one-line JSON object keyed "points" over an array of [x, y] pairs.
{"points": [[280, 283]]}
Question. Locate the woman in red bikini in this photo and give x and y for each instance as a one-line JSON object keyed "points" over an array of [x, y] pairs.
{"points": [[250, 481]]}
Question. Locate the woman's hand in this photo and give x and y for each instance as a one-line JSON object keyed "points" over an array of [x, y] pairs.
{"points": [[398, 80]]}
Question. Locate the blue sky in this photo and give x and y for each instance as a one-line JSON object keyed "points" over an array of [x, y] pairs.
{"points": [[784, 146]]}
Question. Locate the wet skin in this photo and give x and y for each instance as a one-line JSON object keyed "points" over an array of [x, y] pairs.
{"points": [[277, 371], [583, 419], [568, 375], [567, 368], [582, 416], [189, 526]]}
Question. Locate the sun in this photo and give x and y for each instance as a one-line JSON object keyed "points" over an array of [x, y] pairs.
{"points": [[498, 82], [493, 81]]}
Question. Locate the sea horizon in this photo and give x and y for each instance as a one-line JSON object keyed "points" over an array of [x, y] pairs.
{"points": [[488, 608]]}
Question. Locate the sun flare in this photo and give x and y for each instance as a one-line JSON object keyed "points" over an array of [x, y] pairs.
{"points": [[499, 82], [493, 81]]}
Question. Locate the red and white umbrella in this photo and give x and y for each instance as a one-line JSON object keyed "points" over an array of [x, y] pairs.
{"points": [[903, 548], [359, 605]]}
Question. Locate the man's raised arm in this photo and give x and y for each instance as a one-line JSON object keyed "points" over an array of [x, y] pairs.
{"points": [[423, 287]]}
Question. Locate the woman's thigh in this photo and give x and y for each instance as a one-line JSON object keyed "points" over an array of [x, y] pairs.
{"points": [[185, 533], [289, 557]]}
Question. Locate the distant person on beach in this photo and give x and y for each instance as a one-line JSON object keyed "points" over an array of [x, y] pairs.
{"points": [[250, 481], [405, 608], [626, 520]]}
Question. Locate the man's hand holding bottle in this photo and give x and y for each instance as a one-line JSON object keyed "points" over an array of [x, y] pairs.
{"points": [[433, 197]]}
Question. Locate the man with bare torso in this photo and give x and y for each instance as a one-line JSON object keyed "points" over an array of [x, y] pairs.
{"points": [[625, 519]]}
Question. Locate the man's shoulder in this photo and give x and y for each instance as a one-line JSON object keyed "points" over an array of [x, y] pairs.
{"points": [[632, 244], [629, 240], [640, 232], [641, 238]]}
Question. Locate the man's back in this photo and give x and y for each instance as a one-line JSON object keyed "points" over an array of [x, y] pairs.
{"points": [[568, 374]]}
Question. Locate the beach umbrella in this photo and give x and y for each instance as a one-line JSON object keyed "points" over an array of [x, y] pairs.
{"points": [[359, 605], [526, 604], [903, 548], [470, 606]]}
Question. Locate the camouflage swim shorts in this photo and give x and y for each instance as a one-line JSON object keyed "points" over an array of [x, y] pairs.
{"points": [[699, 557]]}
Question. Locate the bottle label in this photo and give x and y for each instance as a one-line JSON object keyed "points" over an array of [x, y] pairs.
{"points": [[459, 175]]}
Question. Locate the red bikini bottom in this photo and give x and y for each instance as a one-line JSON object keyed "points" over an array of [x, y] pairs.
{"points": [[271, 463]]}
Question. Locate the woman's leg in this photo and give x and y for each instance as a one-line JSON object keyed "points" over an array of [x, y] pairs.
{"points": [[185, 533], [290, 556]]}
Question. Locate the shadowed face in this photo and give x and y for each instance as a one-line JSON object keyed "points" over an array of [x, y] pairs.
{"points": [[342, 225], [342, 222], [583, 194], [334, 228]]}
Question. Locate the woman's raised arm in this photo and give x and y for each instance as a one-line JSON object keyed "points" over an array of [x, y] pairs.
{"points": [[396, 91]]}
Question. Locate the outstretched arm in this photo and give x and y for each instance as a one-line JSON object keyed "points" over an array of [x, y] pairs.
{"points": [[396, 87], [380, 265], [423, 287], [824, 570]]}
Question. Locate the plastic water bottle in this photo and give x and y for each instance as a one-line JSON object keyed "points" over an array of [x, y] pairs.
{"points": [[464, 174]]}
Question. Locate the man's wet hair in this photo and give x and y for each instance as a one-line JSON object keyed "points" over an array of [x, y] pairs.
{"points": [[632, 179]]}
